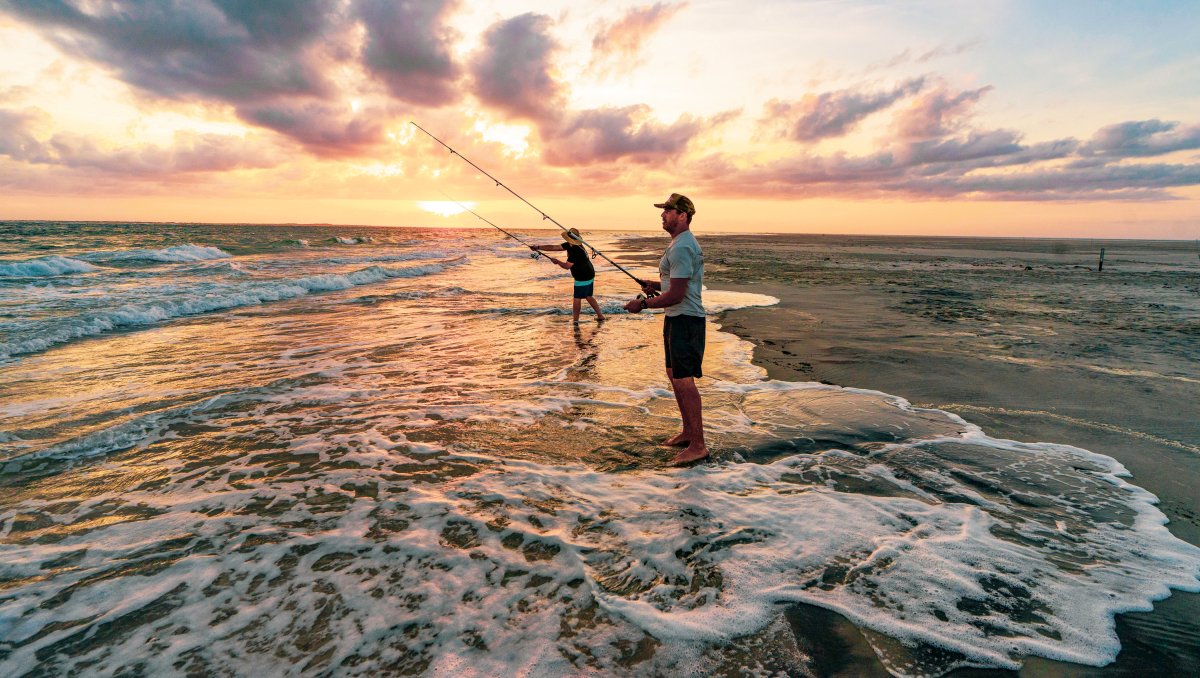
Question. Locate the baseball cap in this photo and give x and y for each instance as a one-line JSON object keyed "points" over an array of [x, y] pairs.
{"points": [[679, 203]]}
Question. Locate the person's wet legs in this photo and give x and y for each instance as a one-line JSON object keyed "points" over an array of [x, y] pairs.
{"points": [[595, 307], [575, 306], [687, 396]]}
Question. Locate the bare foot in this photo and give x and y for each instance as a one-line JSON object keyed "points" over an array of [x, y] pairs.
{"points": [[599, 318], [694, 452], [677, 440]]}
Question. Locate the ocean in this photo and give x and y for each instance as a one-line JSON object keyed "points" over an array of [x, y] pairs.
{"points": [[361, 451]]}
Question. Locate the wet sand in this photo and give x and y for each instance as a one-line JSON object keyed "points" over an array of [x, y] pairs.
{"points": [[1025, 338]]}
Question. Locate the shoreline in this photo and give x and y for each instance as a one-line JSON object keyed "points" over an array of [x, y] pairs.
{"points": [[848, 327], [794, 354]]}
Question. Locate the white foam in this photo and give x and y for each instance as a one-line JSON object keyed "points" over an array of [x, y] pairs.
{"points": [[235, 296], [44, 266], [178, 253], [718, 301], [383, 555]]}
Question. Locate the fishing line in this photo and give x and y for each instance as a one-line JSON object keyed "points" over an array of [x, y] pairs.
{"points": [[535, 254], [545, 217]]}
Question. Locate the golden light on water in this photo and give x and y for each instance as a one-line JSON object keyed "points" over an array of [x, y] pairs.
{"points": [[443, 208]]}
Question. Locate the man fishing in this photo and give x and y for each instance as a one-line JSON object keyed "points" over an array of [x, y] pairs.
{"points": [[581, 270], [681, 279]]}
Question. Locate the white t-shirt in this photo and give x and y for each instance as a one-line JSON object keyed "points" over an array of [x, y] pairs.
{"points": [[683, 259]]}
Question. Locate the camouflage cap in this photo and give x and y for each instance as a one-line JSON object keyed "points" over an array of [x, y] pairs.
{"points": [[679, 203]]}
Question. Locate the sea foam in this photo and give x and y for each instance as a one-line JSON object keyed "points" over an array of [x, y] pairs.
{"points": [[44, 266], [178, 253], [185, 304]]}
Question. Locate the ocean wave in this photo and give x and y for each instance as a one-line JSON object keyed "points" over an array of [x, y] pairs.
{"points": [[384, 258], [354, 240], [44, 266], [178, 253], [249, 294]]}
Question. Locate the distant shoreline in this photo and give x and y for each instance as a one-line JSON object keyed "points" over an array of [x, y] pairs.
{"points": [[648, 232]]}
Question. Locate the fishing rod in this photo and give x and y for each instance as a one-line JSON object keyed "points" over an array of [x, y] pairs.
{"points": [[535, 254], [545, 217]]}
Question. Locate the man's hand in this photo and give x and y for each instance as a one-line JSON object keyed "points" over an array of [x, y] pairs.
{"points": [[635, 305], [647, 287]]}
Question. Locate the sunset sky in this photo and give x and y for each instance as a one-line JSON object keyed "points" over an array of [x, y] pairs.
{"points": [[980, 117]]}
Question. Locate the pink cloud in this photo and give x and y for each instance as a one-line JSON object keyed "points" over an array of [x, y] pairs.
{"points": [[832, 114], [621, 41]]}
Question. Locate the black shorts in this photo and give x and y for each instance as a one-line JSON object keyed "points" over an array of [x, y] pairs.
{"points": [[583, 290], [683, 344]]}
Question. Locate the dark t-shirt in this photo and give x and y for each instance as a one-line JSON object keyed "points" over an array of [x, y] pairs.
{"points": [[583, 269]]}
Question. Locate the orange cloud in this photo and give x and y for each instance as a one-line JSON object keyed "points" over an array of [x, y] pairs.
{"points": [[619, 44]]}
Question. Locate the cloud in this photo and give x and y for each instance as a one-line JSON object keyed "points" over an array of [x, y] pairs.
{"points": [[1142, 138], [938, 52], [937, 112], [947, 50], [620, 42], [935, 151], [219, 49], [833, 114], [280, 64], [408, 47], [189, 154], [514, 73], [513, 70], [17, 140], [327, 130], [610, 134]]}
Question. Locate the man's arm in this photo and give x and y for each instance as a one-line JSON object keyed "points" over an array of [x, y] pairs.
{"points": [[673, 295], [564, 264]]}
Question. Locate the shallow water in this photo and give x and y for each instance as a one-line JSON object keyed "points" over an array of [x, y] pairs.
{"points": [[236, 448]]}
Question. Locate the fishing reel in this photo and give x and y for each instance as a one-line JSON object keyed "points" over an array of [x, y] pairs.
{"points": [[644, 284]]}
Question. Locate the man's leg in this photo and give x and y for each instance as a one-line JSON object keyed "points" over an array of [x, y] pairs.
{"points": [[688, 398], [595, 307], [575, 304], [679, 439]]}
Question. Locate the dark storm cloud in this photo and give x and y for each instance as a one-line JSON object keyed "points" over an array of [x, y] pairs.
{"points": [[512, 71], [408, 47], [833, 114]]}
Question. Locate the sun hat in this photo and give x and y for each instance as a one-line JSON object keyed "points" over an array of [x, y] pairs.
{"points": [[572, 236], [679, 203]]}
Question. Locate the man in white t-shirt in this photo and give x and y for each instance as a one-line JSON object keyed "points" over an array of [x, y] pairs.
{"points": [[681, 279]]}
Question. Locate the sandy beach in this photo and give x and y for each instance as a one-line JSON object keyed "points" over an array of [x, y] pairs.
{"points": [[1024, 338]]}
